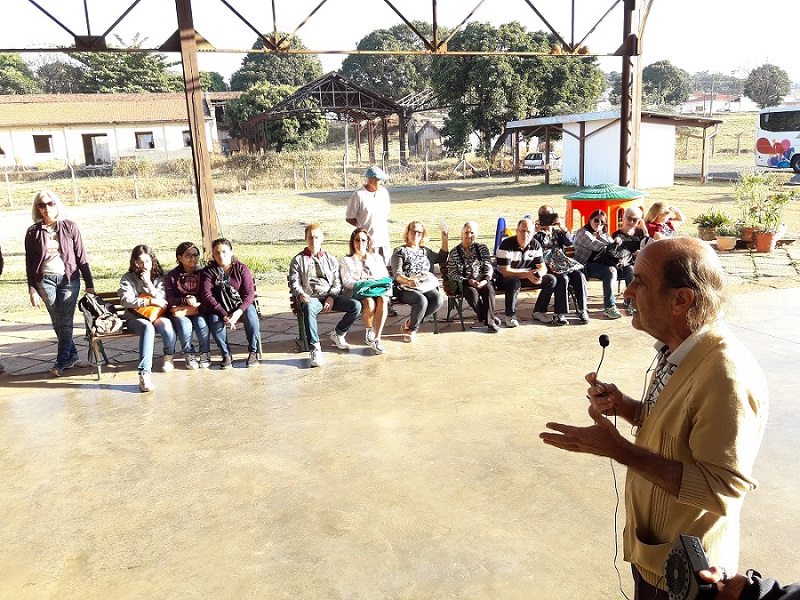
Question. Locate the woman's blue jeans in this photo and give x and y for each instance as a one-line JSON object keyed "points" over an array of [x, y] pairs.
{"points": [[350, 307], [147, 334], [184, 327], [60, 296], [608, 275], [220, 332]]}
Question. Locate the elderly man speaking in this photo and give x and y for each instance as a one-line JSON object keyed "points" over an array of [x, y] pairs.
{"points": [[698, 427]]}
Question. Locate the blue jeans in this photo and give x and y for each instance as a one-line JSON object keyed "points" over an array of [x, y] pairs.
{"points": [[608, 275], [422, 304], [184, 326], [147, 334], [60, 296], [220, 332], [350, 307]]}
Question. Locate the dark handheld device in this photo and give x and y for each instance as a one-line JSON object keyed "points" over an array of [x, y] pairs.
{"points": [[547, 219], [681, 570]]}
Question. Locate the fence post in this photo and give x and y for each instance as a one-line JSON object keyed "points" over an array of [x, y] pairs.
{"points": [[344, 167], [294, 174], [74, 185], [8, 187], [427, 153], [305, 173], [135, 187]]}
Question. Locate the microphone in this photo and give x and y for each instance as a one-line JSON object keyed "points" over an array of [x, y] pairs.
{"points": [[604, 341]]}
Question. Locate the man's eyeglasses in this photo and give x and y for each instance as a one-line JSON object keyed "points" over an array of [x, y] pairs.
{"points": [[49, 204], [192, 255]]}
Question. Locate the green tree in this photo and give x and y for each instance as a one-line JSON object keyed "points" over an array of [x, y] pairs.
{"points": [[127, 72], [664, 83], [57, 74], [484, 92], [16, 76], [719, 82], [613, 84], [767, 85], [211, 81], [278, 69], [298, 132], [393, 75]]}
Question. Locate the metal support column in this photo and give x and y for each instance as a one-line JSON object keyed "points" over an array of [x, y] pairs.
{"points": [[194, 106]]}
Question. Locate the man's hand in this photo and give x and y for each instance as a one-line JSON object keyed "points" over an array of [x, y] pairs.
{"points": [[601, 439], [328, 306], [727, 589], [606, 397]]}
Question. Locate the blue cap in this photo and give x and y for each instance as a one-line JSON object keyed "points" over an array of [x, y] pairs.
{"points": [[376, 172]]}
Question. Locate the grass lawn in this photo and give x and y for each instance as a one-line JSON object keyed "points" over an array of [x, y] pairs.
{"points": [[267, 229]]}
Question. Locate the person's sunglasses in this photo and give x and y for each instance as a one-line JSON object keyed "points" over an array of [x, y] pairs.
{"points": [[600, 221], [192, 255], [632, 219], [49, 203], [417, 232]]}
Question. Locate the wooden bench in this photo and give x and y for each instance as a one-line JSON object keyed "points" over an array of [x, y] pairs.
{"points": [[96, 348]]}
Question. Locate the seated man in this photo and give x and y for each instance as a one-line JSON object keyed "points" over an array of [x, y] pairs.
{"points": [[314, 280], [520, 264]]}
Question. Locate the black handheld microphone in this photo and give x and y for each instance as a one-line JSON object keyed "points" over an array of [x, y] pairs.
{"points": [[604, 342]]}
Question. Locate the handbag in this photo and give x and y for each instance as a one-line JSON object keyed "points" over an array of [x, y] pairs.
{"points": [[424, 283], [557, 261], [152, 313], [184, 311], [371, 288], [227, 296], [613, 256]]}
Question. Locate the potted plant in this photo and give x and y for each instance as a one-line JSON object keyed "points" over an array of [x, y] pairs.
{"points": [[707, 221], [762, 207], [771, 221], [726, 235]]}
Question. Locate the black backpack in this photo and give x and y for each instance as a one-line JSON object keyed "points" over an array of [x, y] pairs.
{"points": [[99, 316]]}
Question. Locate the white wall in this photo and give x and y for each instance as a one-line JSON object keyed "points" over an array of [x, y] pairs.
{"points": [[656, 154]]}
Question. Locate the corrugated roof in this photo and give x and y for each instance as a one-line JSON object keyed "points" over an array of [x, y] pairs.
{"points": [[42, 110]]}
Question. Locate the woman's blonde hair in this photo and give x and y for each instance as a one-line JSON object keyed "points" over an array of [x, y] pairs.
{"points": [[410, 226], [655, 209], [45, 195], [472, 224]]}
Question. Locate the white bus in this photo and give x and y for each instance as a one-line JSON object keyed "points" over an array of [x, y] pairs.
{"points": [[778, 137]]}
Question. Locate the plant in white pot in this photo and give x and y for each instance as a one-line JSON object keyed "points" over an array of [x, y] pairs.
{"points": [[726, 236], [708, 221]]}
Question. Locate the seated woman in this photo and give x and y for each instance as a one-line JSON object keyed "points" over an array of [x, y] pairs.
{"points": [[471, 264], [590, 240], [224, 269], [550, 235], [182, 287], [633, 232], [659, 222], [365, 264], [142, 288], [412, 267]]}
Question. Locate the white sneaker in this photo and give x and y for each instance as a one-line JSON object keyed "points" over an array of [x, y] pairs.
{"points": [[315, 356], [205, 360], [511, 321], [377, 347], [168, 364], [369, 336], [339, 341], [145, 383], [191, 362], [559, 320], [542, 317]]}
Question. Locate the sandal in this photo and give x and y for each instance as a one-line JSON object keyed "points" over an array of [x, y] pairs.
{"points": [[410, 336], [406, 327]]}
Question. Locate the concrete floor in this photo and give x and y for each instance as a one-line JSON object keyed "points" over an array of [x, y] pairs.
{"points": [[413, 475]]}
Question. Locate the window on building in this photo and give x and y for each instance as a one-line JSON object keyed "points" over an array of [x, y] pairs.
{"points": [[187, 139], [145, 140], [43, 144]]}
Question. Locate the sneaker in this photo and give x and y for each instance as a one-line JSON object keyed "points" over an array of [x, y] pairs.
{"points": [[377, 346], [339, 341], [145, 383], [559, 320], [191, 362], [252, 360], [511, 321], [168, 364], [72, 362], [369, 336], [315, 356], [613, 313], [205, 360], [493, 326], [227, 362], [583, 317], [542, 317], [57, 371], [628, 306]]}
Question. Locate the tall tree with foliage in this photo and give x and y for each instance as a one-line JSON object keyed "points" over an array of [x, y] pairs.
{"points": [[211, 81], [278, 69], [767, 85], [127, 72], [57, 74], [16, 76], [664, 83], [484, 92], [298, 132], [393, 75]]}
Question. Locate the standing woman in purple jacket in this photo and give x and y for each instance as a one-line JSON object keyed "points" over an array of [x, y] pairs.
{"points": [[55, 259]]}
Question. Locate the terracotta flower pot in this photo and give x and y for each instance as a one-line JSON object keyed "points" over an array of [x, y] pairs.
{"points": [[765, 240], [746, 234], [725, 242], [705, 233]]}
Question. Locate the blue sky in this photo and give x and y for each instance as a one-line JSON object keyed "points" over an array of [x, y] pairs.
{"points": [[731, 37]]}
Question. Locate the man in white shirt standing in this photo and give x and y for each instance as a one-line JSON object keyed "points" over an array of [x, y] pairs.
{"points": [[368, 207]]}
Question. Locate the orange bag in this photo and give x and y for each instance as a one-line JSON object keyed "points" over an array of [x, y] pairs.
{"points": [[152, 312]]}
